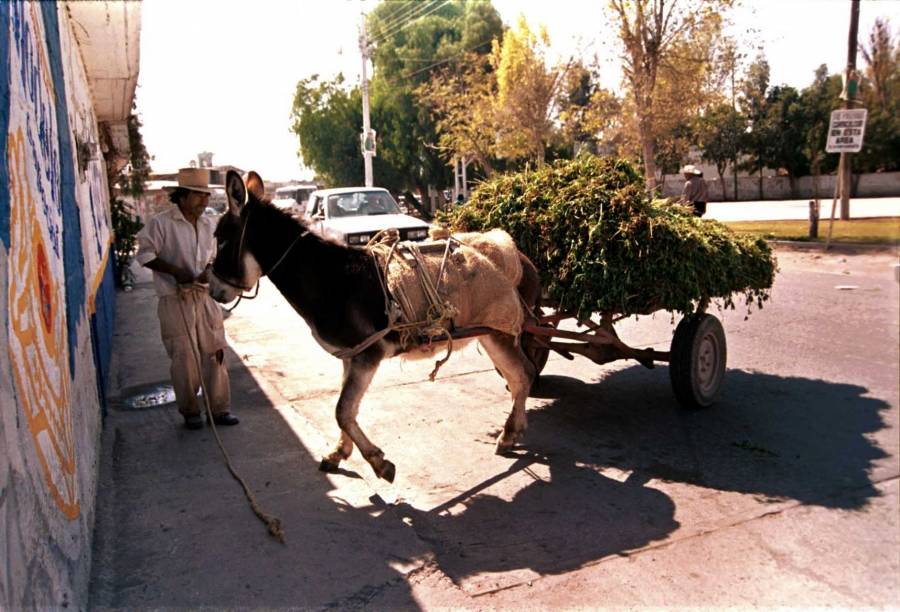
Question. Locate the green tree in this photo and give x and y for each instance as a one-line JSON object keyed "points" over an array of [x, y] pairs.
{"points": [[785, 127], [754, 104], [326, 116], [130, 180], [881, 96], [411, 41], [817, 101], [719, 132]]}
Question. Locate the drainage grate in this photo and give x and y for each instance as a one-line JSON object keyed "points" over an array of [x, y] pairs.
{"points": [[147, 396]]}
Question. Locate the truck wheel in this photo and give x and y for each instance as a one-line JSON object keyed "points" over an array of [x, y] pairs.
{"points": [[697, 361]]}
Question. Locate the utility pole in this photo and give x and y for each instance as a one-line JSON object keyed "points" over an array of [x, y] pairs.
{"points": [[850, 88], [367, 147]]}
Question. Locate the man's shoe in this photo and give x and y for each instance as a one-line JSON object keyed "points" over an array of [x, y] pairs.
{"points": [[193, 421], [226, 418]]}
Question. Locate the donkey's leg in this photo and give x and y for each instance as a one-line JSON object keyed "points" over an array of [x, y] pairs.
{"points": [[358, 373], [519, 374]]}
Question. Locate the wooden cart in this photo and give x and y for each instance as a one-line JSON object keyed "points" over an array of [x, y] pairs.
{"points": [[696, 356]]}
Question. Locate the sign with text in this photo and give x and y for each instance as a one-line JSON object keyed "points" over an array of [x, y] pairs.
{"points": [[846, 130]]}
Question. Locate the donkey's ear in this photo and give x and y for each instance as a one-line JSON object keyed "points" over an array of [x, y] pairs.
{"points": [[235, 191], [255, 185]]}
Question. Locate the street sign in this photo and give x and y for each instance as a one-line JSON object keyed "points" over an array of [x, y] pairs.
{"points": [[846, 130]]}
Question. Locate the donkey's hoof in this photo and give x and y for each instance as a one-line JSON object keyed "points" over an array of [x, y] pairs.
{"points": [[328, 465], [506, 443], [387, 471]]}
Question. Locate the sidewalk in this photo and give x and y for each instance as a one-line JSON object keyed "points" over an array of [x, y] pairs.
{"points": [[174, 529]]}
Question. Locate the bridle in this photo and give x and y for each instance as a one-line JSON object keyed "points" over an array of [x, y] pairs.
{"points": [[243, 288]]}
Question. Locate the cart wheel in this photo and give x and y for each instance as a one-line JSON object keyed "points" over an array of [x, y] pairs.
{"points": [[697, 362]]}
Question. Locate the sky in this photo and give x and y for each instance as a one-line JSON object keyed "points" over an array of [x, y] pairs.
{"points": [[220, 75]]}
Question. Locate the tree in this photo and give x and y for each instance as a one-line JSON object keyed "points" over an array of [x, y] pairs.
{"points": [[785, 131], [326, 117], [413, 40], [754, 105], [719, 132], [660, 35], [130, 179], [817, 101], [461, 99], [881, 95], [526, 91]]}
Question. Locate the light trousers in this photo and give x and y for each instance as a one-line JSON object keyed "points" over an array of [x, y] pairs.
{"points": [[191, 327]]}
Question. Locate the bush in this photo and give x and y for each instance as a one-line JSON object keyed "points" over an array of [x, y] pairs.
{"points": [[602, 246]]}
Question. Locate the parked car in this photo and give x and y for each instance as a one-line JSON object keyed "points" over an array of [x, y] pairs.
{"points": [[353, 215], [293, 198]]}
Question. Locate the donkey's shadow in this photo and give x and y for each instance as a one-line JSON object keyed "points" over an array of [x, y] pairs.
{"points": [[550, 526], [772, 437]]}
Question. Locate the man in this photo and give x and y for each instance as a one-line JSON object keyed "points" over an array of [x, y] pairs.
{"points": [[695, 192], [178, 245]]}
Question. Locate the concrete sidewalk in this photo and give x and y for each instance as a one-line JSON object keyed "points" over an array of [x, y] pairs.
{"points": [[174, 529]]}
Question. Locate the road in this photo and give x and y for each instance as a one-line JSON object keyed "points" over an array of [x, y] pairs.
{"points": [[786, 493]]}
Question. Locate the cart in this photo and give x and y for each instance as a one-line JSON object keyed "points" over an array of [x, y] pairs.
{"points": [[696, 356]]}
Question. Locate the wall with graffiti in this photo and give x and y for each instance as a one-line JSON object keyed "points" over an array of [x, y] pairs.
{"points": [[56, 299]]}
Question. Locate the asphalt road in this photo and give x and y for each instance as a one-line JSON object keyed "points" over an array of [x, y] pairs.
{"points": [[785, 493]]}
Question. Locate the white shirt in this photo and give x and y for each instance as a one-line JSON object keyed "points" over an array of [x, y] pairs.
{"points": [[173, 239]]}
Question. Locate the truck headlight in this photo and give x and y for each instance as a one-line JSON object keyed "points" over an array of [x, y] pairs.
{"points": [[358, 239], [417, 234]]}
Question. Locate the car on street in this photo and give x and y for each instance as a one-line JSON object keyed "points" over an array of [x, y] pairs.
{"points": [[293, 198], [353, 215]]}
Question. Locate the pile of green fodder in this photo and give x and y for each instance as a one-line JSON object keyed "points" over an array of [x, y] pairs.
{"points": [[603, 246]]}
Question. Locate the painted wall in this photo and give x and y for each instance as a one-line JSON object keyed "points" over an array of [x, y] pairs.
{"points": [[56, 300], [874, 185]]}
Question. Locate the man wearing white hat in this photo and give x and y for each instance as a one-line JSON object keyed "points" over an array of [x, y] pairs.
{"points": [[179, 246], [695, 192]]}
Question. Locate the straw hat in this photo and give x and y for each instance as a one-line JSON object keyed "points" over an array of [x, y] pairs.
{"points": [[195, 179], [691, 169]]}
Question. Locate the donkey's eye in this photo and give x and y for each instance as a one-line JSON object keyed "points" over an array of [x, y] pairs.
{"points": [[222, 244]]}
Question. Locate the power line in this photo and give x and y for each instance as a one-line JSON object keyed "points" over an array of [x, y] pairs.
{"points": [[385, 35], [396, 19]]}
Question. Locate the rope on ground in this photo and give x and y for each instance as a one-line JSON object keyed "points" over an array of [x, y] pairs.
{"points": [[272, 523]]}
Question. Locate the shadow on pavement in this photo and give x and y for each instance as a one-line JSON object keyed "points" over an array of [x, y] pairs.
{"points": [[772, 437], [175, 530], [777, 437]]}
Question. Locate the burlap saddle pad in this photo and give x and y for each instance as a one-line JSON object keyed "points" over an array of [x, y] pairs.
{"points": [[475, 285]]}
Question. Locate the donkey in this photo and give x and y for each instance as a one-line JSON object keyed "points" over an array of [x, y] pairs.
{"points": [[338, 292]]}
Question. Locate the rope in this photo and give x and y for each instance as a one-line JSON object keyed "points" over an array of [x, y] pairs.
{"points": [[272, 523], [384, 246]]}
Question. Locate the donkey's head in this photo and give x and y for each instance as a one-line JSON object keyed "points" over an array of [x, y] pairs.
{"points": [[235, 269]]}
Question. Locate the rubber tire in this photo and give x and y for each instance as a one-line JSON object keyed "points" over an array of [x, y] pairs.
{"points": [[697, 362]]}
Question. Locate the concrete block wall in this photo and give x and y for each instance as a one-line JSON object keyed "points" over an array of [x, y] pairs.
{"points": [[874, 185], [56, 300]]}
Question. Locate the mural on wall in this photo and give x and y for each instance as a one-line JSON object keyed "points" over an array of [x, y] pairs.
{"points": [[39, 331], [90, 190]]}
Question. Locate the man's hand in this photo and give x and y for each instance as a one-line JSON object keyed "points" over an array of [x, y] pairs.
{"points": [[204, 276], [182, 276]]}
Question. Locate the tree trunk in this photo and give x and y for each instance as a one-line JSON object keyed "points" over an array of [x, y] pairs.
{"points": [[734, 171], [648, 154], [722, 183], [760, 184], [792, 181]]}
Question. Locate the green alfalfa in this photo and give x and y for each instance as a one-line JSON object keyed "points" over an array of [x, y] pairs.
{"points": [[602, 246]]}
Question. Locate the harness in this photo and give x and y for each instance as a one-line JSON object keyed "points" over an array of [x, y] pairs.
{"points": [[243, 289], [402, 318]]}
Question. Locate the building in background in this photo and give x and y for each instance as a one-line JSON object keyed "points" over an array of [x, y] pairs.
{"points": [[67, 77]]}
